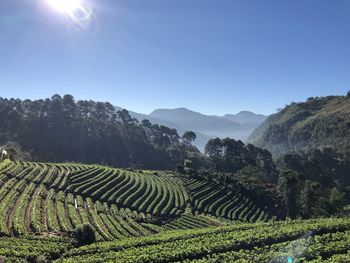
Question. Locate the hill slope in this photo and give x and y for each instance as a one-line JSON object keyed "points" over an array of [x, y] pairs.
{"points": [[327, 239], [117, 203], [316, 123], [149, 216], [322, 240]]}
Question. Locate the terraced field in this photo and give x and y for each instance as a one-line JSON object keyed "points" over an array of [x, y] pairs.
{"points": [[31, 249], [322, 240], [148, 216], [56, 198], [34, 199], [149, 192], [221, 201]]}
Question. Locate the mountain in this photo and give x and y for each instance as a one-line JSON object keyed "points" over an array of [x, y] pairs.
{"points": [[246, 117], [206, 126], [190, 120], [317, 123], [200, 141], [238, 126]]}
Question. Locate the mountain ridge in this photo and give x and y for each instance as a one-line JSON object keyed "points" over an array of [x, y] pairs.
{"points": [[321, 122], [205, 126]]}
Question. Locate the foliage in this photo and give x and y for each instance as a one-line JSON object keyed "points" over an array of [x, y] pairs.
{"points": [[229, 155], [33, 249], [85, 234], [225, 198], [317, 123], [68, 197], [26, 206], [313, 183], [15, 151], [321, 240], [61, 129], [188, 137], [262, 242]]}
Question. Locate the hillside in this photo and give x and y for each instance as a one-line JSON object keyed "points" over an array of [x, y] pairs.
{"points": [[316, 123], [150, 216], [45, 197], [243, 117], [322, 240], [328, 240], [199, 142]]}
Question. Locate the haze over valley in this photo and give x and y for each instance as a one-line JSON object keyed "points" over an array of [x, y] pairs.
{"points": [[238, 126]]}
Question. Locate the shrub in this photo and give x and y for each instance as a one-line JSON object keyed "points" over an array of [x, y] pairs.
{"points": [[85, 234]]}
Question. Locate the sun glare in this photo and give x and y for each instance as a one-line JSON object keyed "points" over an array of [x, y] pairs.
{"points": [[65, 6], [79, 12]]}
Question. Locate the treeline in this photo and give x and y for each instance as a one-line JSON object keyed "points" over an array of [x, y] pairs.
{"points": [[314, 183], [61, 129], [229, 155], [305, 184]]}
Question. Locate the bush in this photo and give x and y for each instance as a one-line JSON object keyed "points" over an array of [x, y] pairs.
{"points": [[187, 163], [85, 235], [41, 259], [180, 169]]}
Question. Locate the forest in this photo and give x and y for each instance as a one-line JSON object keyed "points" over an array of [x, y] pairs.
{"points": [[62, 129]]}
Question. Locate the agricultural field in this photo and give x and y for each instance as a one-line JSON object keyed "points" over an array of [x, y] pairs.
{"points": [[148, 216], [323, 240], [42, 198]]}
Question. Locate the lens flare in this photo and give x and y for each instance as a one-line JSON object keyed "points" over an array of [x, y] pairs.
{"points": [[78, 11]]}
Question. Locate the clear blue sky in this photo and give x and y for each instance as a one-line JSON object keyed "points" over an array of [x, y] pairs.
{"points": [[211, 56]]}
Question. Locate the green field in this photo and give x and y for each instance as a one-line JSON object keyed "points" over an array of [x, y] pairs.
{"points": [[149, 216]]}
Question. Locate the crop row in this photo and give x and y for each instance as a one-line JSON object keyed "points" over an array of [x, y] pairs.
{"points": [[330, 236], [153, 193], [29, 205], [29, 249], [189, 221], [220, 201]]}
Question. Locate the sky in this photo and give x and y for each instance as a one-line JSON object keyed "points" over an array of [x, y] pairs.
{"points": [[215, 57]]}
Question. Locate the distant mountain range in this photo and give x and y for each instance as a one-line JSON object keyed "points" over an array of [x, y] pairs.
{"points": [[237, 126]]}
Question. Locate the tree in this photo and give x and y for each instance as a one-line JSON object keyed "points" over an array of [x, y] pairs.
{"points": [[61, 129], [287, 187], [213, 149], [187, 163], [15, 152], [337, 198], [85, 234], [308, 198], [188, 137]]}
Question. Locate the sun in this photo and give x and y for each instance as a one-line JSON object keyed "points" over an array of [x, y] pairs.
{"points": [[65, 6]]}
